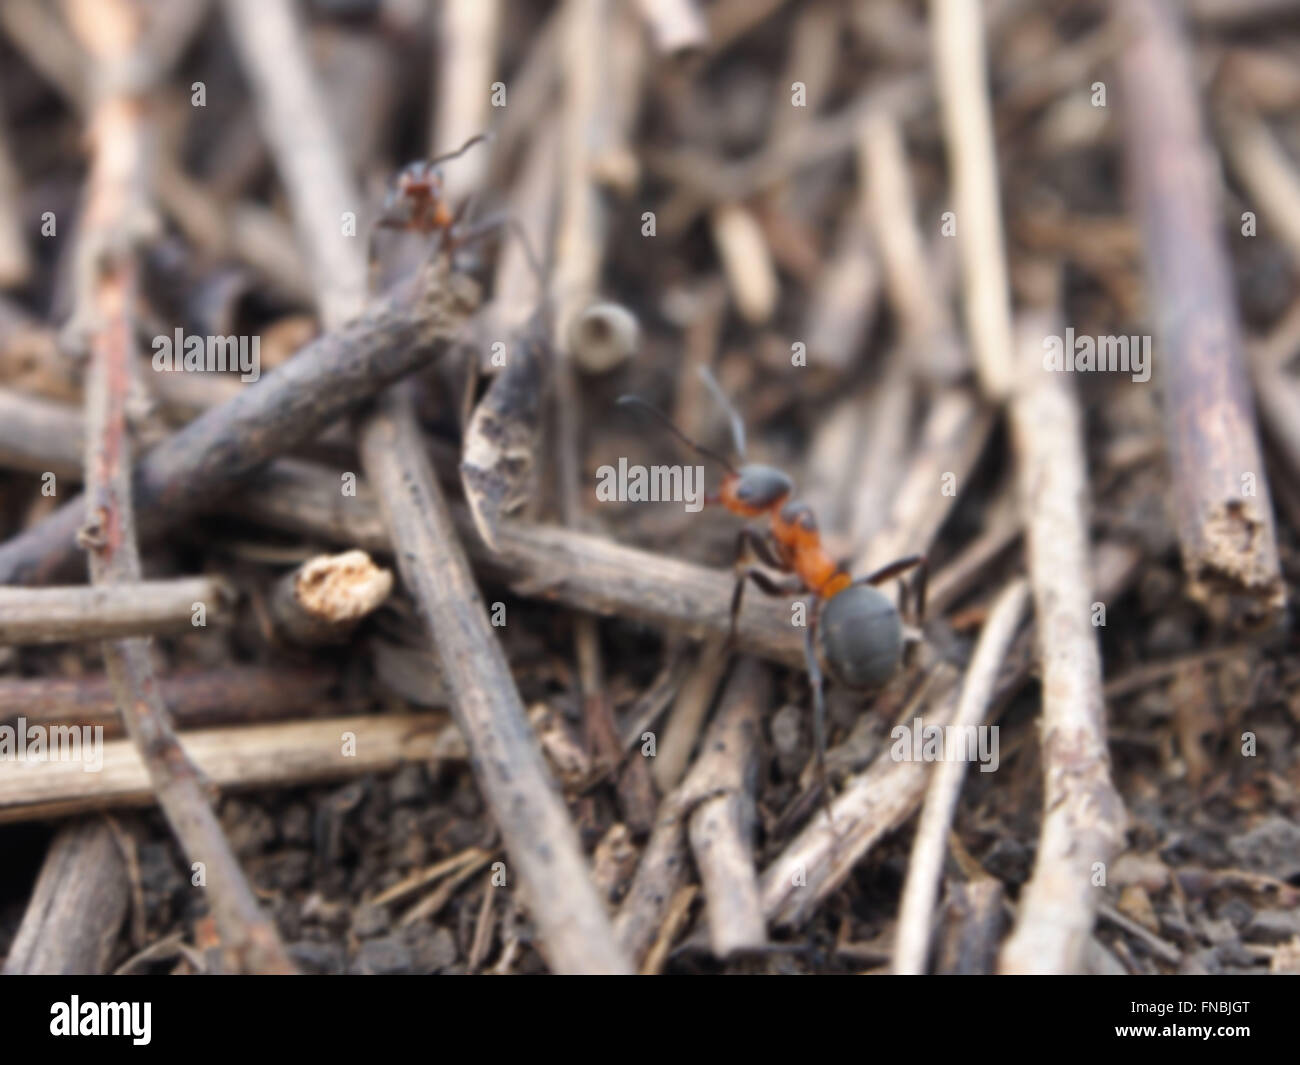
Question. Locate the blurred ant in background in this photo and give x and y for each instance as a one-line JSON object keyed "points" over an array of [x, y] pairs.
{"points": [[416, 204], [855, 630]]}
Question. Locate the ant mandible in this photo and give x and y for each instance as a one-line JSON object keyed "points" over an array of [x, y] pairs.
{"points": [[857, 629]]}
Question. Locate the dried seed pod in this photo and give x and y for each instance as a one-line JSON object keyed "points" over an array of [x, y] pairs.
{"points": [[603, 336]]}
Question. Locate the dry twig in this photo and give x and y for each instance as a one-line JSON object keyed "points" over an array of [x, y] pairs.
{"points": [[722, 826], [923, 872], [195, 697], [279, 755], [108, 278], [1083, 819], [961, 70], [663, 869], [516, 785], [142, 608], [1220, 492], [331, 376], [72, 920]]}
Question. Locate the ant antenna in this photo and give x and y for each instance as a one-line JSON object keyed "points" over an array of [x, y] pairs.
{"points": [[544, 308], [637, 401], [530, 254], [733, 416], [478, 138]]}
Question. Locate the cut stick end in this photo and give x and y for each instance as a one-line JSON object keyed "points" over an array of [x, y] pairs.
{"points": [[341, 589], [1234, 573]]}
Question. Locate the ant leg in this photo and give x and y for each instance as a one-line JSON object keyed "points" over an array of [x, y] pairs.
{"points": [[485, 227], [762, 545], [789, 586], [463, 210], [894, 569], [883, 574], [372, 245], [819, 710], [750, 540], [919, 590]]}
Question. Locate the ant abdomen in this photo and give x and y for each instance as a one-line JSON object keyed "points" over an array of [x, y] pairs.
{"points": [[861, 637]]}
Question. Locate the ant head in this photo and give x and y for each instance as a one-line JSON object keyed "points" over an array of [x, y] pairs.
{"points": [[861, 637], [754, 489], [418, 178], [416, 199], [796, 526]]}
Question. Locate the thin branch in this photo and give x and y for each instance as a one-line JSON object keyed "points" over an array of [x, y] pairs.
{"points": [[960, 68], [195, 697], [107, 278], [681, 728], [465, 59], [546, 562], [580, 570], [923, 871], [40, 436], [1083, 819], [539, 838], [407, 329], [508, 764], [1220, 492], [72, 920], [15, 258], [1266, 173], [921, 305], [287, 754], [873, 803], [272, 46], [663, 868], [141, 608], [721, 827], [952, 438]]}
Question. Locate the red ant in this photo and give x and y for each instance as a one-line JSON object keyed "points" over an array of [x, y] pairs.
{"points": [[416, 204], [861, 630]]}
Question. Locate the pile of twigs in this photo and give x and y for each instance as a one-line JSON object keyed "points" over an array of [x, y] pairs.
{"points": [[870, 221]]}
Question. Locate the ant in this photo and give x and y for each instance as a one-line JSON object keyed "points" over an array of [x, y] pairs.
{"points": [[416, 204], [857, 629]]}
